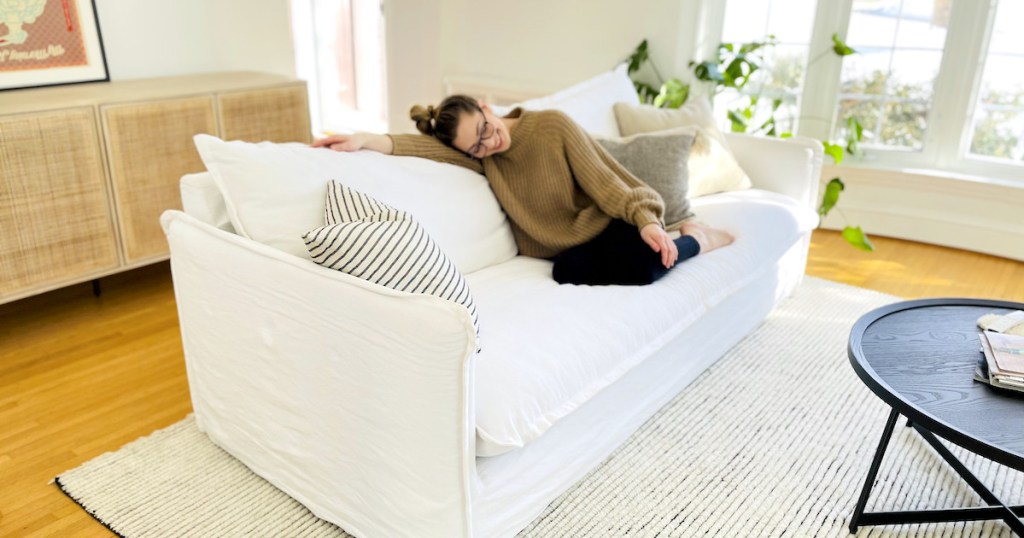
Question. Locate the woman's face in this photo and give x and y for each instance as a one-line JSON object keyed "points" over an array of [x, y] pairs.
{"points": [[481, 134]]}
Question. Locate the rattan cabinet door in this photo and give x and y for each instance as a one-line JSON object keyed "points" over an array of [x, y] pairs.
{"points": [[149, 147], [274, 114], [55, 219]]}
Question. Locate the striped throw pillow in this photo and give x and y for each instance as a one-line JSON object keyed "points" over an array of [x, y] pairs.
{"points": [[376, 242]]}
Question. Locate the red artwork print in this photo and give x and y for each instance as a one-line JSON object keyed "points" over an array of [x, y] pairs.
{"points": [[67, 15], [41, 34]]}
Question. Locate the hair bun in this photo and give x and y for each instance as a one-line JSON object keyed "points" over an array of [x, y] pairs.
{"points": [[425, 118]]}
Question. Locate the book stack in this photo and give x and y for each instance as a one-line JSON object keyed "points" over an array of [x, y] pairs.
{"points": [[1001, 364]]}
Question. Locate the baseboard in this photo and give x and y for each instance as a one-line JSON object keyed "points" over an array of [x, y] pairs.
{"points": [[959, 212]]}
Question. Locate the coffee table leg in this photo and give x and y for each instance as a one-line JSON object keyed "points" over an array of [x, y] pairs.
{"points": [[875, 464], [1010, 514]]}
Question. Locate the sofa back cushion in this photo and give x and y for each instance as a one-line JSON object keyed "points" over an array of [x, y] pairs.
{"points": [[201, 199], [275, 193], [589, 103]]}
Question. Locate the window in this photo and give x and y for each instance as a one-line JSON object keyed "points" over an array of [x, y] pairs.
{"points": [[782, 73], [339, 51], [888, 85], [915, 84], [998, 126]]}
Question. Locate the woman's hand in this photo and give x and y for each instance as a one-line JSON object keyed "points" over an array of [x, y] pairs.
{"points": [[657, 238], [356, 142]]}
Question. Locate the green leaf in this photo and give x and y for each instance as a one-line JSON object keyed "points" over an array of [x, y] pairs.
{"points": [[673, 94], [834, 150], [645, 91], [708, 71], [786, 135], [831, 196], [854, 124], [739, 123], [637, 58], [854, 134], [735, 74], [841, 48], [768, 123], [857, 238]]}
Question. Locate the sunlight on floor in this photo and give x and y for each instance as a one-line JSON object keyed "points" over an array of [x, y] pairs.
{"points": [[915, 270]]}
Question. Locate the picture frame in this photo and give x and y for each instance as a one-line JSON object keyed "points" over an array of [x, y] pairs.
{"points": [[50, 43]]}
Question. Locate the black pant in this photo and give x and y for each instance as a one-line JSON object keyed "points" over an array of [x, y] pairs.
{"points": [[618, 255]]}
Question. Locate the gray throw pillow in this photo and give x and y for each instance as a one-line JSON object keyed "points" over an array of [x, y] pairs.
{"points": [[660, 160]]}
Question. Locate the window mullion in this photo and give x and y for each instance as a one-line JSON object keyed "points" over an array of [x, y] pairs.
{"points": [[821, 77], [958, 82]]}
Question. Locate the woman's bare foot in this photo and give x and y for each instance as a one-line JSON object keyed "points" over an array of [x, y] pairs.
{"points": [[707, 237]]}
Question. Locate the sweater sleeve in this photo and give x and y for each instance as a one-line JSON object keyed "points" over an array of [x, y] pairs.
{"points": [[431, 148], [616, 191]]}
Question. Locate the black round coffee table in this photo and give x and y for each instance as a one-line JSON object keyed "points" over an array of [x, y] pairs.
{"points": [[919, 357]]}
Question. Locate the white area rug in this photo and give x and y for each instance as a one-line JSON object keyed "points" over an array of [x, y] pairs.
{"points": [[774, 440]]}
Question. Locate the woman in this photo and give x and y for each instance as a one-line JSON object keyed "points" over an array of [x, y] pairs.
{"points": [[566, 198]]}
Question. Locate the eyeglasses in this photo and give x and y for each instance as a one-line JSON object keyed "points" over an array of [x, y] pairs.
{"points": [[486, 132]]}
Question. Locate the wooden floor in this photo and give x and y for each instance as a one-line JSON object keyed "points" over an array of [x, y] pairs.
{"points": [[81, 375]]}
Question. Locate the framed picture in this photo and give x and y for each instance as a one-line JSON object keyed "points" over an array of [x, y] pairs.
{"points": [[50, 42]]}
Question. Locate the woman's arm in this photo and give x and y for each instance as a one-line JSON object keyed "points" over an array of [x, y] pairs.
{"points": [[423, 146], [428, 147], [357, 141], [616, 191]]}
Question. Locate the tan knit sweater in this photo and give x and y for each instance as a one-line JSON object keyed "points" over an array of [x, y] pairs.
{"points": [[557, 185]]}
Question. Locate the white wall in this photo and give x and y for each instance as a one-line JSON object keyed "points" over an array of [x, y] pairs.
{"points": [[948, 210], [412, 35], [556, 44], [152, 38], [539, 44]]}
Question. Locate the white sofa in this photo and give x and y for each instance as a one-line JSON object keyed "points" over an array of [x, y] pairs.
{"points": [[370, 406]]}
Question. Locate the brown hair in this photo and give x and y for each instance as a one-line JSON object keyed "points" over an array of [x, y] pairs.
{"points": [[443, 121]]}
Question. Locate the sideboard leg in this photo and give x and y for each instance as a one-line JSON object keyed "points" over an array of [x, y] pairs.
{"points": [[96, 290], [873, 471]]}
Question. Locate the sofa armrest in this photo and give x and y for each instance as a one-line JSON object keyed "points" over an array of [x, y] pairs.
{"points": [[353, 398], [790, 166]]}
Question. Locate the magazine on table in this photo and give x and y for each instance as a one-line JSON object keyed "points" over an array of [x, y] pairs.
{"points": [[989, 371], [1007, 351]]}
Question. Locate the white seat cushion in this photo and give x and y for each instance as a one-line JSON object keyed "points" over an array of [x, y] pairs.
{"points": [[552, 347]]}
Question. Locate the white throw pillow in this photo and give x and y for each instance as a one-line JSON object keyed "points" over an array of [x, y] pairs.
{"points": [[378, 243], [712, 167], [589, 103], [274, 193]]}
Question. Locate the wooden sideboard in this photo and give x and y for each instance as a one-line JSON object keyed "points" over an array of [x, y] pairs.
{"points": [[86, 170]]}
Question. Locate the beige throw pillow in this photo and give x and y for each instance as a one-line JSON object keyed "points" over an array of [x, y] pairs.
{"points": [[712, 167]]}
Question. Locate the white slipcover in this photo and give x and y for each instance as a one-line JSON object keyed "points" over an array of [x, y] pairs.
{"points": [[552, 347]]}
